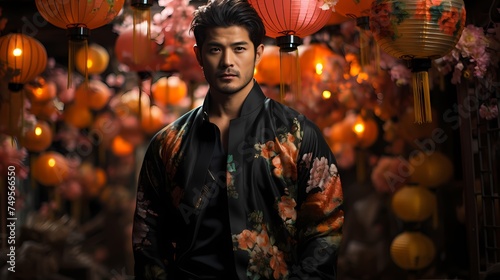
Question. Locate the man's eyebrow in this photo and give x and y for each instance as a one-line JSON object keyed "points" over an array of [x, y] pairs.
{"points": [[217, 44]]}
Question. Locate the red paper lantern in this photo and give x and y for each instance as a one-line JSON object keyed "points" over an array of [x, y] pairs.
{"points": [[418, 31]]}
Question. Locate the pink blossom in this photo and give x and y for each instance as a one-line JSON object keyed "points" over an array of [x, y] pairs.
{"points": [[488, 112]]}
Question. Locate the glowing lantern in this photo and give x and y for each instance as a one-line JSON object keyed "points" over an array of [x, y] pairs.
{"points": [[413, 203], [288, 22], [153, 120], [39, 138], [430, 169], [95, 95], [93, 179], [45, 91], [366, 131], [320, 63], [94, 60], [267, 72], [342, 132], [121, 147], [412, 250], [77, 116], [23, 58], [78, 17], [169, 91], [50, 168], [418, 31]]}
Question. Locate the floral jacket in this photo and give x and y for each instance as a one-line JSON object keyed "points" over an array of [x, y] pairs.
{"points": [[284, 194]]}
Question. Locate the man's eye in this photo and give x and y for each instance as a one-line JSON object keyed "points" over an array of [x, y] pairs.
{"points": [[239, 49], [214, 50]]}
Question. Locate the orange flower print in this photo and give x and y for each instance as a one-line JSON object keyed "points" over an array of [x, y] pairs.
{"points": [[277, 263], [267, 150], [170, 145], [262, 240], [278, 168], [288, 152], [286, 208], [246, 239], [448, 21]]}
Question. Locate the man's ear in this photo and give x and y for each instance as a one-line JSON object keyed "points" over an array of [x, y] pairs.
{"points": [[258, 53], [197, 51]]}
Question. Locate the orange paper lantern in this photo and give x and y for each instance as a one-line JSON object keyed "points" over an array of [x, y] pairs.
{"points": [[267, 72], [412, 250], [50, 168], [121, 147], [78, 17], [169, 90], [77, 116], [23, 59], [38, 138], [47, 90], [366, 131], [418, 32], [152, 119], [95, 95]]}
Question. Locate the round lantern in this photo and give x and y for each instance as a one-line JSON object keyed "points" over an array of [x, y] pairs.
{"points": [[50, 168], [413, 203], [153, 119], [121, 147], [23, 58], [94, 59], [412, 250], [366, 130], [169, 90], [78, 17], [430, 169], [77, 116], [95, 95], [418, 32], [44, 91], [38, 138], [267, 72]]}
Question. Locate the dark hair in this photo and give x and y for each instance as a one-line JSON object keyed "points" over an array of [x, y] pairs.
{"points": [[227, 13]]}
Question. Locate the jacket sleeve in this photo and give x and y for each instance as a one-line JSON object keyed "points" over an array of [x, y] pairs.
{"points": [[148, 238], [319, 214]]}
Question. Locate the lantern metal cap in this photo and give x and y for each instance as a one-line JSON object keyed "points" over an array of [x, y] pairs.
{"points": [[288, 43], [363, 22], [420, 64], [141, 4], [78, 33], [15, 87]]}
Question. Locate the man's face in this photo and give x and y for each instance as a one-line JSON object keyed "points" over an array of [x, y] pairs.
{"points": [[228, 58]]}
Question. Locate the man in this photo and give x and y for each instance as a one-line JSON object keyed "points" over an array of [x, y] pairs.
{"points": [[242, 187]]}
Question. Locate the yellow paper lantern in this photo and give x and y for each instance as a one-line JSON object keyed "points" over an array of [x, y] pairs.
{"points": [[412, 250], [413, 203], [418, 32], [430, 169], [50, 168], [94, 59], [38, 138]]}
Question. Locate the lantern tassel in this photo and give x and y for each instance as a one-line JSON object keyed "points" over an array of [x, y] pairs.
{"points": [[421, 91], [141, 24], [289, 59]]}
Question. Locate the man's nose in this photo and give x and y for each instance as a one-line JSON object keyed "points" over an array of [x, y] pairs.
{"points": [[227, 58]]}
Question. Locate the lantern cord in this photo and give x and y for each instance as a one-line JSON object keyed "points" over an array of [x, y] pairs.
{"points": [[289, 60], [73, 47], [364, 48], [421, 97]]}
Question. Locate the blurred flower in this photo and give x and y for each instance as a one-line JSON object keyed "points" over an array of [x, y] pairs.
{"points": [[489, 111]]}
